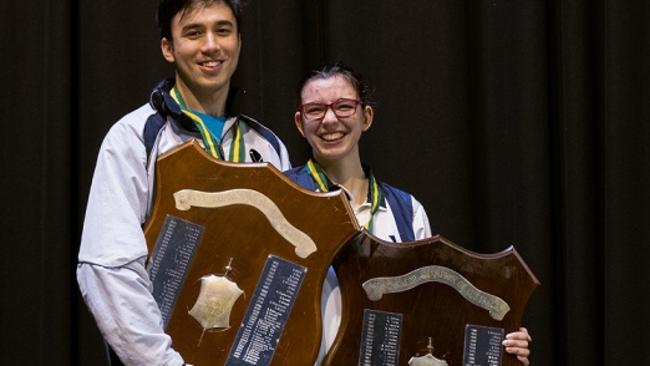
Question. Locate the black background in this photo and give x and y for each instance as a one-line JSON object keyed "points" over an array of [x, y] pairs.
{"points": [[520, 122]]}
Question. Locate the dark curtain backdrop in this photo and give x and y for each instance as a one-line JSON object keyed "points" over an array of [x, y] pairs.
{"points": [[515, 122]]}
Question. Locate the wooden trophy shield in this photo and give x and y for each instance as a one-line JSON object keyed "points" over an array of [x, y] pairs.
{"points": [[238, 255], [428, 302]]}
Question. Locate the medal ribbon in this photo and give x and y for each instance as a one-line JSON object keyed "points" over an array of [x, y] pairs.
{"points": [[237, 147], [323, 183]]}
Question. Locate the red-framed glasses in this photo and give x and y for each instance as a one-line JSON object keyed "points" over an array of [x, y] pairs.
{"points": [[343, 107]]}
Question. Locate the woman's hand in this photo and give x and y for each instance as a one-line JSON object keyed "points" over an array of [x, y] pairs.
{"points": [[516, 343]]}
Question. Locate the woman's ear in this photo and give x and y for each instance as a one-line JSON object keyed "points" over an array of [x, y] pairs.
{"points": [[297, 118], [368, 114]]}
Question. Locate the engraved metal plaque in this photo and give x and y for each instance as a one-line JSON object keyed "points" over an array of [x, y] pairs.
{"points": [[170, 261], [482, 345], [188, 198], [380, 338], [377, 287], [267, 313], [216, 298], [429, 359]]}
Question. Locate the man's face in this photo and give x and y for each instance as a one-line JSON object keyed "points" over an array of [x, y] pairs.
{"points": [[205, 48]]}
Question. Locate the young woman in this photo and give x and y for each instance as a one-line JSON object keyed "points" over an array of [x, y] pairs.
{"points": [[332, 116]]}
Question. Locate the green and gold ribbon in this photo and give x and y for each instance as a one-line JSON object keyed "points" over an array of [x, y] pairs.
{"points": [[323, 183], [319, 177], [375, 199], [237, 147]]}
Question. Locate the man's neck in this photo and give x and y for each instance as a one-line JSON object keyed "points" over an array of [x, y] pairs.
{"points": [[212, 103], [349, 173]]}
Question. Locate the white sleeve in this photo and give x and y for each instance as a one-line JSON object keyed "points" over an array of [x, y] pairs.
{"points": [[126, 313], [111, 273], [117, 204], [421, 228]]}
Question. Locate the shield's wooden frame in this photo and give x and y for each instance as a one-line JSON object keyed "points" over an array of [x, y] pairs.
{"points": [[244, 234], [431, 309]]}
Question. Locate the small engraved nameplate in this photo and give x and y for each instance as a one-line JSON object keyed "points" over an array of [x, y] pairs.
{"points": [[482, 345], [170, 261], [267, 313], [380, 338]]}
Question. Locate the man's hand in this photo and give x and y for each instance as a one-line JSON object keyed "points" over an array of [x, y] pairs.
{"points": [[516, 343]]}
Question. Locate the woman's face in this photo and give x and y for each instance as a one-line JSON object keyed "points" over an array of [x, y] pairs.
{"points": [[333, 138]]}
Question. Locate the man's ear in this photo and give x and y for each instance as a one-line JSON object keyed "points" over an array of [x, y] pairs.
{"points": [[297, 118], [167, 49], [369, 114]]}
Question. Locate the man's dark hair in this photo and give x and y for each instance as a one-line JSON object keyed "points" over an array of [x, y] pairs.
{"points": [[167, 9], [337, 69]]}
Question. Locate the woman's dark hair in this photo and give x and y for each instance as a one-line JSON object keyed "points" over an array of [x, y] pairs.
{"points": [[332, 70], [167, 9]]}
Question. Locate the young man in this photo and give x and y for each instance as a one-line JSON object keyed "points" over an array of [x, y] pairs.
{"points": [[202, 39]]}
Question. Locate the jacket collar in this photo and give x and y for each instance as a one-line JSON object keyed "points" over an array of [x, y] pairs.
{"points": [[331, 186], [163, 103]]}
